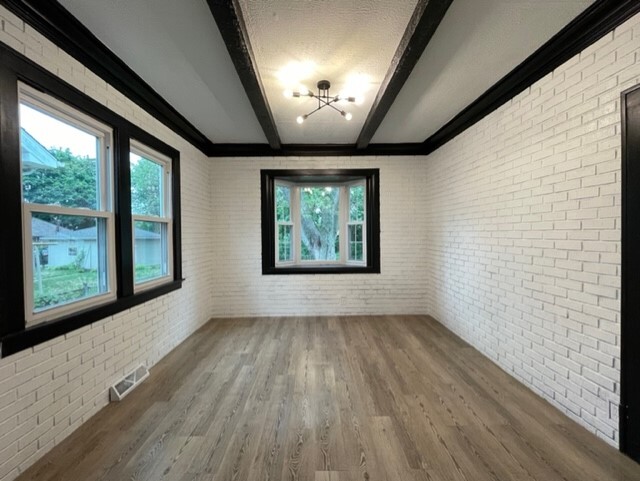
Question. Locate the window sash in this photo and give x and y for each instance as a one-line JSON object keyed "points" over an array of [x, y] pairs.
{"points": [[362, 222], [138, 148], [166, 249], [33, 317], [165, 218], [71, 116], [65, 113]]}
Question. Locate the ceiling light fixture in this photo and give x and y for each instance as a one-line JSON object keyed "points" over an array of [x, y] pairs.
{"points": [[324, 100]]}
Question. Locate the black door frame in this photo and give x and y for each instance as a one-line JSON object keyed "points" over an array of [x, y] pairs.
{"points": [[630, 276]]}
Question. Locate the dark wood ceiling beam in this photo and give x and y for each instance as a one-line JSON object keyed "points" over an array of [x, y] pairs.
{"points": [[591, 25], [423, 24], [228, 17]]}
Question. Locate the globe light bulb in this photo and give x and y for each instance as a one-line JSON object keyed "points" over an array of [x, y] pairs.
{"points": [[347, 115], [288, 94], [300, 119]]}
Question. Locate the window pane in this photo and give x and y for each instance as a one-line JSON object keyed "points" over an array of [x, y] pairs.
{"points": [[59, 161], [355, 243], [319, 218], [69, 258], [283, 204], [150, 250], [284, 243], [356, 202], [146, 186]]}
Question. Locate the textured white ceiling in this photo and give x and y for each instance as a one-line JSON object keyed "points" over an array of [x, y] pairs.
{"points": [[343, 41], [477, 43], [175, 46]]}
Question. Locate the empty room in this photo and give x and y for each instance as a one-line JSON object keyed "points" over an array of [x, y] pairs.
{"points": [[320, 240]]}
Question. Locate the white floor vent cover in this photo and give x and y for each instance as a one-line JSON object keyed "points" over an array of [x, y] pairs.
{"points": [[119, 390]]}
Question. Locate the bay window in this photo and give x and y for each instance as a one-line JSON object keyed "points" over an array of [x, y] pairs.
{"points": [[320, 221]]}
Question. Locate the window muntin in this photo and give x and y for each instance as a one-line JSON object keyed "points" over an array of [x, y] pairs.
{"points": [[309, 220], [67, 204], [151, 215]]}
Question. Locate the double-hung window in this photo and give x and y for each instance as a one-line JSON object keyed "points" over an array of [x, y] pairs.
{"points": [[90, 204], [320, 221], [68, 221], [150, 215]]}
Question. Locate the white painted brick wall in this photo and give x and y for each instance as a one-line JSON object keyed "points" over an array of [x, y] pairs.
{"points": [[523, 232], [240, 289], [48, 391]]}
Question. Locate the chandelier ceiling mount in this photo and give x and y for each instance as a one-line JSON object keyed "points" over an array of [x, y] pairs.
{"points": [[325, 99]]}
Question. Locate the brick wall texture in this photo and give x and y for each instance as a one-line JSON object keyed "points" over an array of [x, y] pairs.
{"points": [[509, 235], [239, 289], [523, 232], [48, 391]]}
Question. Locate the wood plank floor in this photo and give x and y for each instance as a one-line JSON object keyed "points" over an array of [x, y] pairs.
{"points": [[330, 399]]}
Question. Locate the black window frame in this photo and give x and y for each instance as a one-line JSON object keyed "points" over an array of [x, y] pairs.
{"points": [[15, 336], [267, 194]]}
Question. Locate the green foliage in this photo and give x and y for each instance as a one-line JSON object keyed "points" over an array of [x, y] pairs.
{"points": [[72, 184], [356, 203], [64, 284], [69, 283], [283, 203], [146, 187], [320, 220]]}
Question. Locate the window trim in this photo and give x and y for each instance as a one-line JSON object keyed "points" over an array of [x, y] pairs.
{"points": [[323, 176], [15, 335]]}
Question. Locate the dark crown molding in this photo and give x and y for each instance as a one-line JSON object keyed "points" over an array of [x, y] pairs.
{"points": [[54, 22], [228, 17], [309, 150], [424, 22], [591, 25], [57, 24]]}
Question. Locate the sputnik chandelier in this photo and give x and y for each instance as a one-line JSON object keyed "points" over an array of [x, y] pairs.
{"points": [[325, 99]]}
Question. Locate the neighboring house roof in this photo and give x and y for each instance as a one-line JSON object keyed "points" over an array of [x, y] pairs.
{"points": [[47, 230], [34, 154], [90, 233]]}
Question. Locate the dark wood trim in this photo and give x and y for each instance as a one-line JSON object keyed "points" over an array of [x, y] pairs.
{"points": [[40, 333], [12, 316], [228, 17], [630, 273], [15, 67], [176, 197], [307, 150], [423, 24], [53, 21], [124, 248], [591, 25], [267, 195]]}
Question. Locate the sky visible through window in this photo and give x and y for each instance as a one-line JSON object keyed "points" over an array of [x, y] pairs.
{"points": [[52, 133]]}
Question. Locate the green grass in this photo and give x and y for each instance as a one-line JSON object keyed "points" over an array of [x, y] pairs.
{"points": [[59, 285]]}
